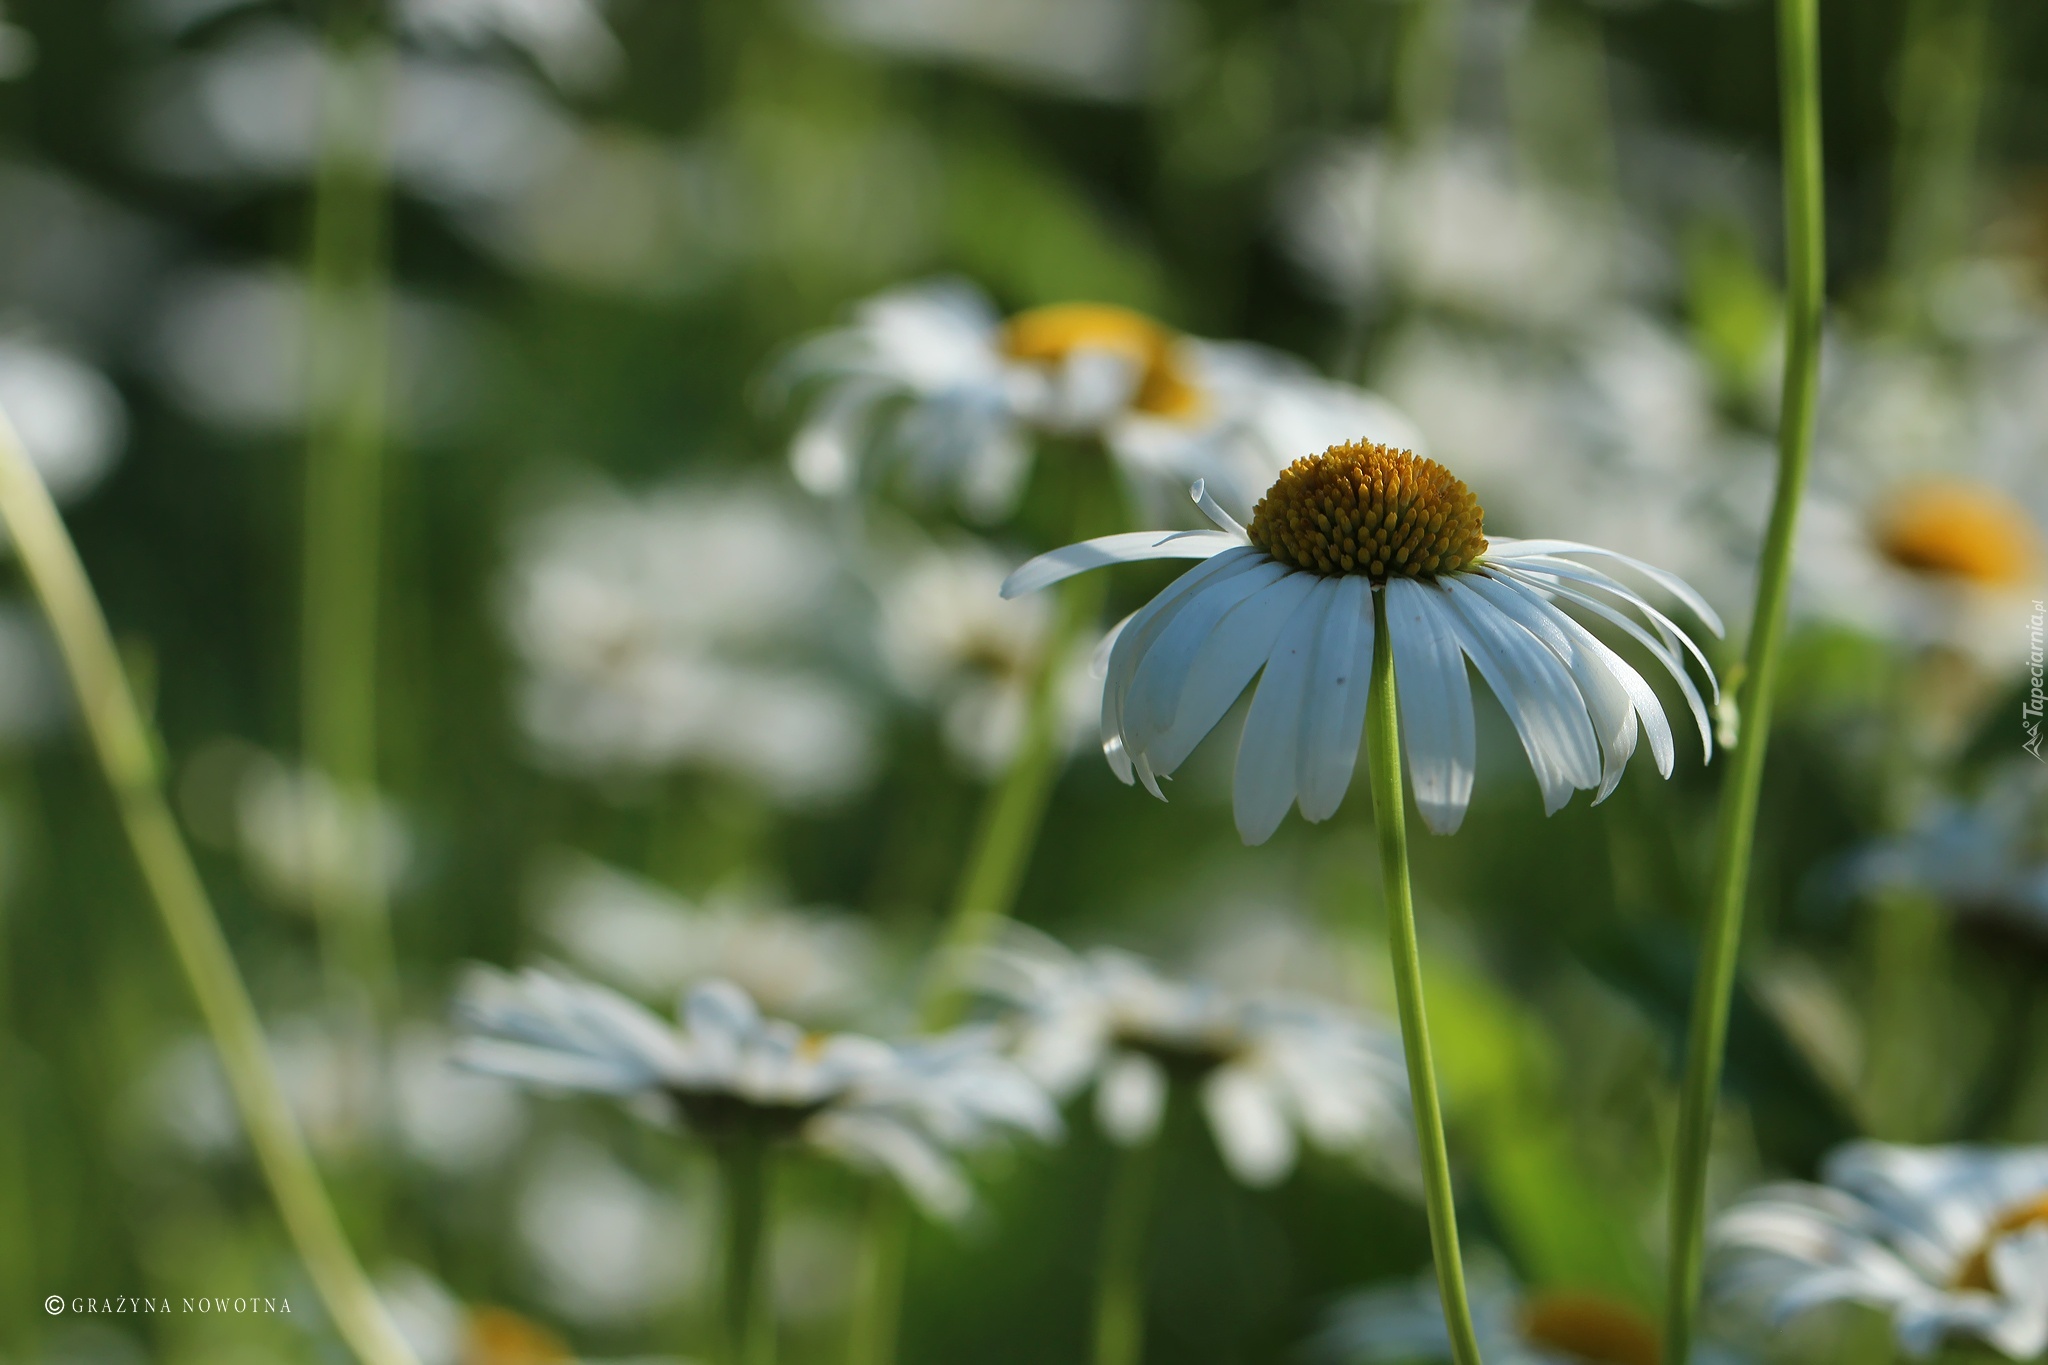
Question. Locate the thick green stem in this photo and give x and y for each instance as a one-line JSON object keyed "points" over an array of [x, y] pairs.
{"points": [[1735, 835], [1120, 1271], [746, 1322], [1383, 754], [871, 1337], [347, 362], [127, 751], [1010, 820]]}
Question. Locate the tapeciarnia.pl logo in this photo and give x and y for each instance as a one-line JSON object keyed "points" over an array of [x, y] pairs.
{"points": [[2037, 667]]}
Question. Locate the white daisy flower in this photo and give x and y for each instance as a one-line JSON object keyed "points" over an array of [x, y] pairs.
{"points": [[603, 1246], [730, 1073], [1950, 1241], [1986, 859], [1269, 1068], [798, 963], [1294, 595], [949, 639], [443, 1330], [1402, 1324], [929, 377], [655, 633]]}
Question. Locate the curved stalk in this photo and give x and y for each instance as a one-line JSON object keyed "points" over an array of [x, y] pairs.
{"points": [[746, 1321], [127, 751], [1799, 86], [1383, 755]]}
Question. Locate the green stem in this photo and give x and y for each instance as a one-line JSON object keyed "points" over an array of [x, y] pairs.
{"points": [[1383, 756], [1735, 836], [872, 1333], [1015, 810], [1941, 85], [746, 1322], [127, 750], [348, 359], [1120, 1271]]}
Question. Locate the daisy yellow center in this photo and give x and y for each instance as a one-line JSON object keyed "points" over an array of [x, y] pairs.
{"points": [[1976, 1271], [1370, 509], [498, 1336], [1959, 531], [1049, 335], [1589, 1328]]}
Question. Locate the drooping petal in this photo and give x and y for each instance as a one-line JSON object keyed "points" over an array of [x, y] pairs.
{"points": [[1334, 720], [1251, 1127], [1537, 693], [1130, 1099], [1161, 675], [1224, 666], [1435, 701], [1668, 630], [1607, 702], [1506, 548], [1265, 784], [1127, 547]]}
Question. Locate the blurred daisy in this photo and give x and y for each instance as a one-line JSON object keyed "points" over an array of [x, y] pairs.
{"points": [[929, 379], [1952, 1242], [1451, 225], [1094, 49], [310, 844], [70, 419], [654, 633], [1269, 1068], [1292, 595], [805, 964], [443, 1330], [1404, 1323], [602, 1246], [949, 639], [729, 1073], [1986, 859], [568, 39]]}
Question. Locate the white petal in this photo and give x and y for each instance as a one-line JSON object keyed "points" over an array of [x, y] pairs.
{"points": [[1127, 547], [1213, 510], [2019, 1263], [876, 1142], [1234, 651], [1161, 675], [1435, 699], [1130, 1099], [1504, 548], [1667, 629], [1266, 752], [1251, 1128], [1537, 693], [1334, 721], [1664, 654], [1607, 702]]}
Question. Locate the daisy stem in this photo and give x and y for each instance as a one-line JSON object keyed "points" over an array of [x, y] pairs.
{"points": [[128, 751], [879, 1296], [747, 1325], [1735, 835], [1383, 756], [1011, 819], [347, 358], [1120, 1282]]}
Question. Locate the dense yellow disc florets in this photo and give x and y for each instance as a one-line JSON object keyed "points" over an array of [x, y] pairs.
{"points": [[1050, 334], [1976, 1270], [1590, 1328], [1961, 531], [1370, 509]]}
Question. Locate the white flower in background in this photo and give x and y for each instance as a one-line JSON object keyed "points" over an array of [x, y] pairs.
{"points": [[602, 1245], [728, 1073], [1291, 599], [654, 633], [1269, 1068], [309, 843], [1986, 859], [1951, 1242], [568, 39], [806, 964], [1451, 225], [71, 421], [930, 384], [950, 640], [443, 1330], [1094, 49], [1404, 1324], [345, 1096], [230, 347]]}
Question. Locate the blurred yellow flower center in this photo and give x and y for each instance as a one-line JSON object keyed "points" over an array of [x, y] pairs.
{"points": [[1960, 531], [1589, 1328], [1976, 1271], [1049, 335], [498, 1336], [1370, 509]]}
